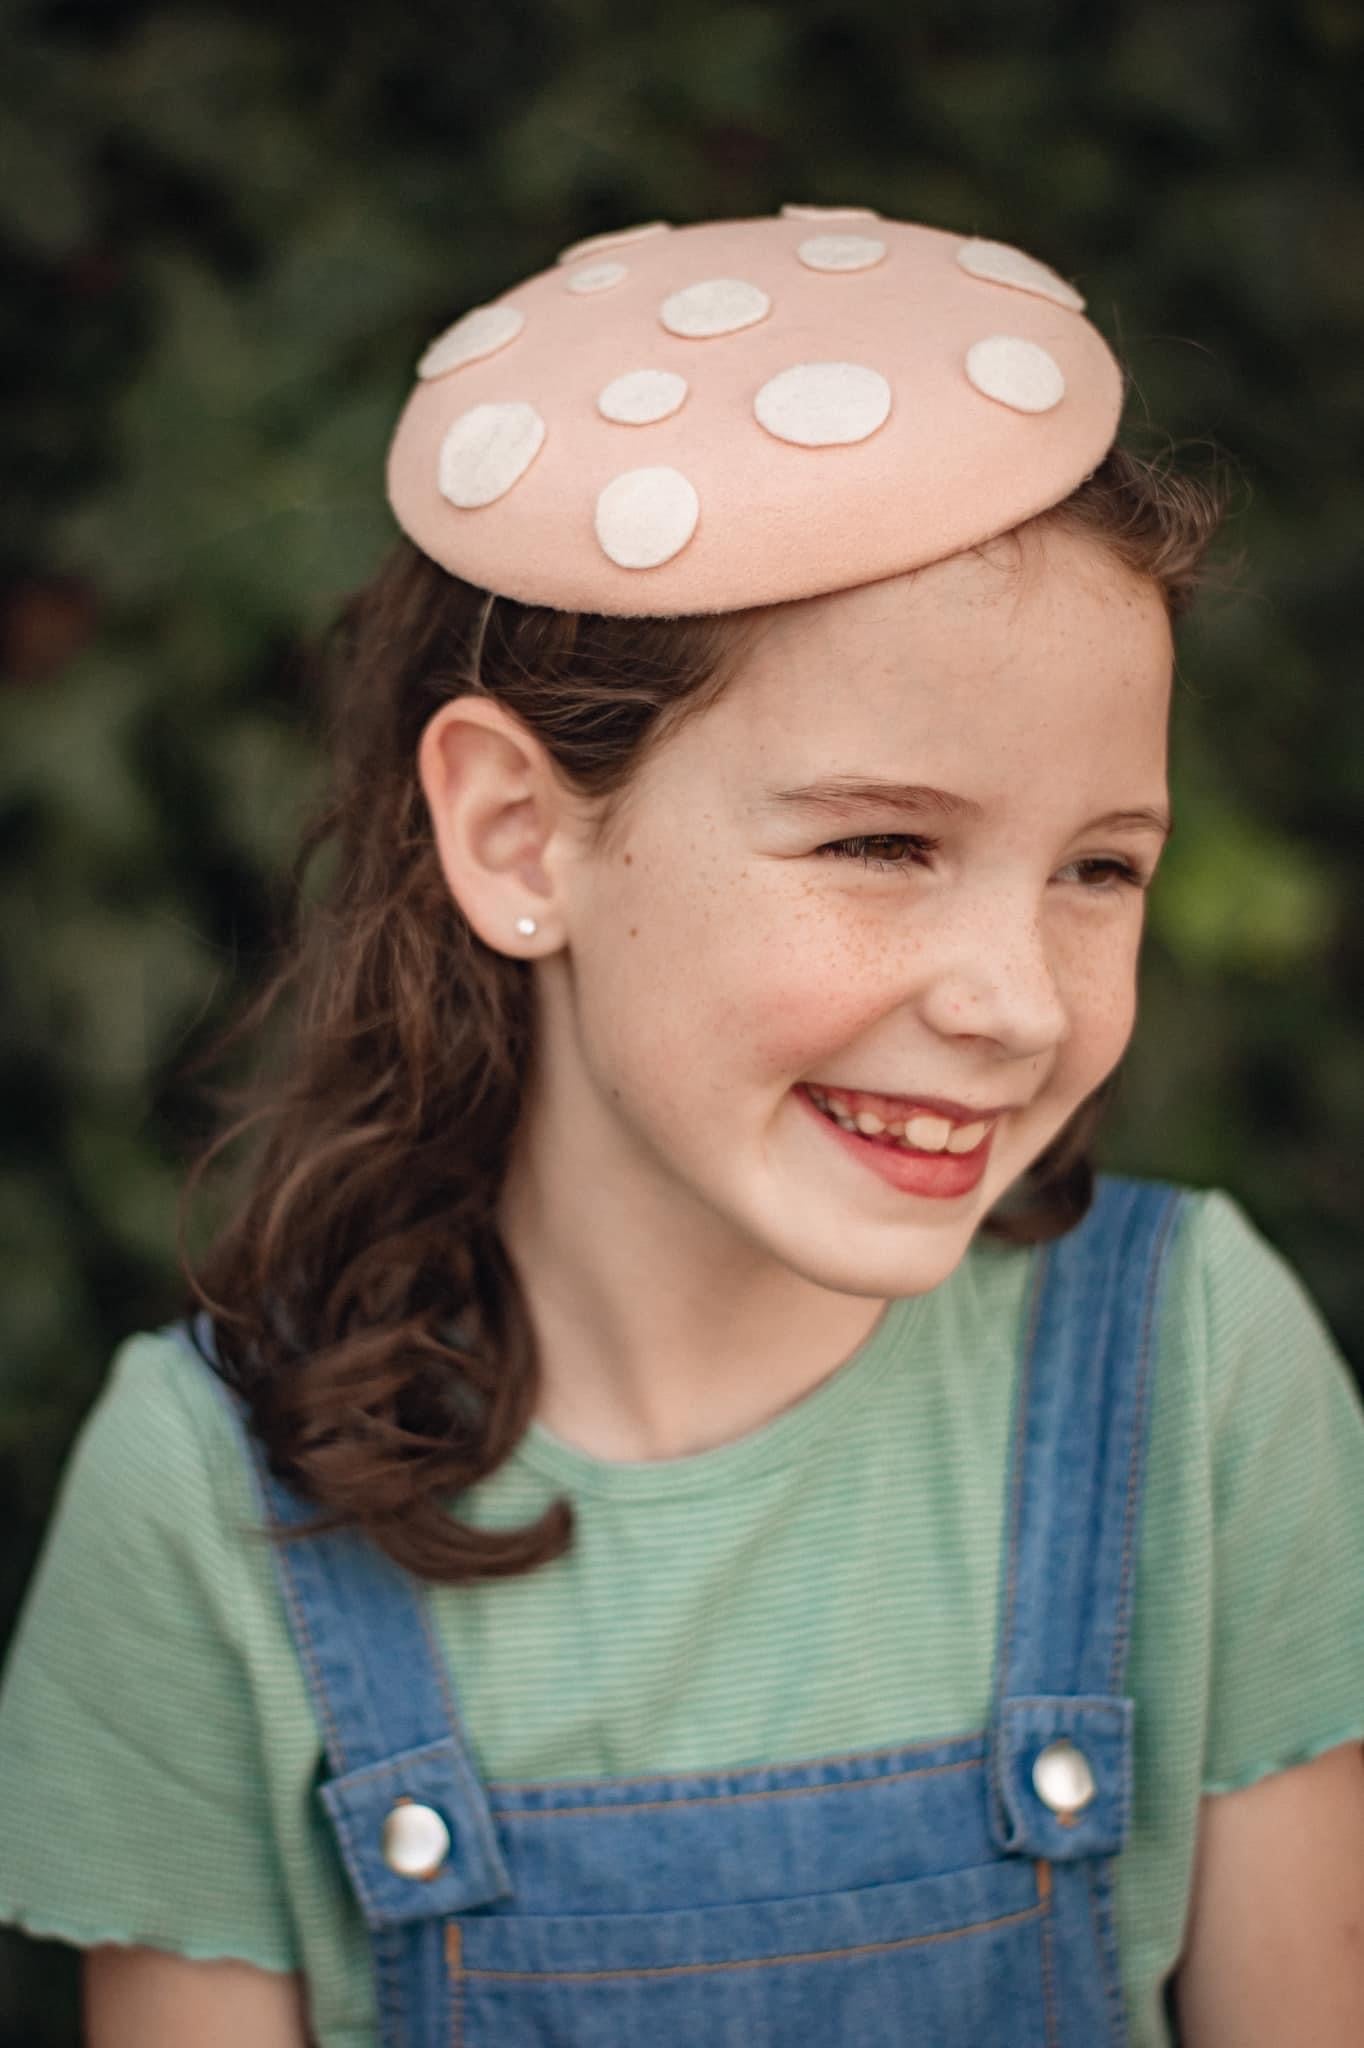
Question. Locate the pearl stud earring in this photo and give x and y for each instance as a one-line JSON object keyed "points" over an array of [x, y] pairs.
{"points": [[526, 926]]}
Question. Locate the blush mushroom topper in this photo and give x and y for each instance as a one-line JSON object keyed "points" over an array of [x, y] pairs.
{"points": [[699, 419]]}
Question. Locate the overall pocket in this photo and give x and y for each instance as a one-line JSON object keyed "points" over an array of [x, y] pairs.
{"points": [[956, 1959]]}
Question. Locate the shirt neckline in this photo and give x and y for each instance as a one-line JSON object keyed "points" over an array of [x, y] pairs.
{"points": [[764, 1449]]}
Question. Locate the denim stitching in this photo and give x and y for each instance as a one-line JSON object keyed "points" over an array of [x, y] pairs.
{"points": [[1098, 1705], [454, 1978], [1107, 1951], [358, 1871], [284, 1573], [394, 1766], [1136, 1463], [389, 1968], [1008, 1618], [1045, 1888], [729, 1798], [818, 1955]]}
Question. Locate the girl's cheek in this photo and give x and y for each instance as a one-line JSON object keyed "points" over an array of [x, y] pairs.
{"points": [[795, 1022]]}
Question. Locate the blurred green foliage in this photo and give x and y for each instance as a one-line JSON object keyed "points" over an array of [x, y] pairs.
{"points": [[228, 231]]}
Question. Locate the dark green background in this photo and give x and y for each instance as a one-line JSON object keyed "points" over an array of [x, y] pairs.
{"points": [[229, 231]]}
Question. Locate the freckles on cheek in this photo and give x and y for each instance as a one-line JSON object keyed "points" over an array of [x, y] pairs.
{"points": [[798, 1025]]}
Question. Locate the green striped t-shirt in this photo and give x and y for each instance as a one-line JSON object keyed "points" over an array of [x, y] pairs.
{"points": [[826, 1583]]}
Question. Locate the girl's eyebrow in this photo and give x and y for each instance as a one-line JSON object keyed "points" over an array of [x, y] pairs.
{"points": [[844, 793]]}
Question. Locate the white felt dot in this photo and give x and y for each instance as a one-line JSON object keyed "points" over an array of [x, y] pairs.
{"points": [[612, 239], [821, 404], [487, 450], [480, 333], [718, 305], [1016, 372], [646, 516], [642, 396], [596, 277], [841, 252], [998, 263], [829, 213]]}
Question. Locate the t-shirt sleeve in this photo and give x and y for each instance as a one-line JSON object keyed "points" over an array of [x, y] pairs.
{"points": [[132, 1784], [1287, 1435]]}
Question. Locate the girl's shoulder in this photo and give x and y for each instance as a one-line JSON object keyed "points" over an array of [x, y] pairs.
{"points": [[133, 1774], [1238, 1305], [158, 1444]]}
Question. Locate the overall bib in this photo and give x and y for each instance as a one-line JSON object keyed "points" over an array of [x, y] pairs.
{"points": [[956, 1893]]}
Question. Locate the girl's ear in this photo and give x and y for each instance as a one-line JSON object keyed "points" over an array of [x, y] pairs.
{"points": [[501, 819]]}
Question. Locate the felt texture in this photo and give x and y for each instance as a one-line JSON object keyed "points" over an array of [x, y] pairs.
{"points": [[642, 396], [727, 511], [597, 277], [717, 305], [819, 405], [840, 252], [645, 516], [828, 213], [1016, 372], [486, 451], [1003, 265]]}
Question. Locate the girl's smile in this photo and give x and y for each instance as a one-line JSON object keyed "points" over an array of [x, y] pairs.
{"points": [[909, 1162]]}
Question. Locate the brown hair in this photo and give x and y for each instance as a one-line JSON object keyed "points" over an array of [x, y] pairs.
{"points": [[363, 1303]]}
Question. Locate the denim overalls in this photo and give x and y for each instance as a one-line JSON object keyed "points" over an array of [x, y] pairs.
{"points": [[951, 1892]]}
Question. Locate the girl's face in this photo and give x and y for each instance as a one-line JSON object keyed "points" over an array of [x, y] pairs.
{"points": [[759, 925]]}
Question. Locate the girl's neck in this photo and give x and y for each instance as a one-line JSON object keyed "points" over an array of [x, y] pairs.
{"points": [[654, 1344]]}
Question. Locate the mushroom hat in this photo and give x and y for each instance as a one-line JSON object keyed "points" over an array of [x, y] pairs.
{"points": [[732, 413]]}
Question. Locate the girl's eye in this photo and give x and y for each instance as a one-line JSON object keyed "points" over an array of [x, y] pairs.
{"points": [[857, 849], [1108, 876], [1121, 872]]}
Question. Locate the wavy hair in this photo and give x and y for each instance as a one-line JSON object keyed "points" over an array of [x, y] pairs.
{"points": [[363, 1302]]}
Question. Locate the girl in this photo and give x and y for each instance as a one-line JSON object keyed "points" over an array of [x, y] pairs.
{"points": [[682, 1508]]}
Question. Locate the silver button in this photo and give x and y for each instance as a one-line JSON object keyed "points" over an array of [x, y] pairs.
{"points": [[416, 1840], [1063, 1778]]}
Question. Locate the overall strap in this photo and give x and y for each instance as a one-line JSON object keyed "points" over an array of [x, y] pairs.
{"points": [[1061, 1727], [405, 1797]]}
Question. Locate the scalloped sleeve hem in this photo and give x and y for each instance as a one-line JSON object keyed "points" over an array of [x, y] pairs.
{"points": [[1353, 1731], [43, 1927]]}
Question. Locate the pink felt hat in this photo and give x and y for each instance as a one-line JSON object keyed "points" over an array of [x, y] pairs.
{"points": [[698, 419]]}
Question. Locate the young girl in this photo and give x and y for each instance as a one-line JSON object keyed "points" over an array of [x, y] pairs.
{"points": [[682, 1509]]}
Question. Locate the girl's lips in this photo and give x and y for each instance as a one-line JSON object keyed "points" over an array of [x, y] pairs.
{"points": [[945, 1175], [897, 1107]]}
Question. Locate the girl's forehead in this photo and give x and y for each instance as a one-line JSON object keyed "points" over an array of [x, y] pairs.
{"points": [[955, 678], [981, 624]]}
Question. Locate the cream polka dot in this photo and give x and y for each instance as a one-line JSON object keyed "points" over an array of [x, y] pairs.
{"points": [[642, 396], [646, 516], [840, 252], [998, 263], [718, 305], [829, 213], [821, 404], [1016, 372], [487, 450], [613, 239], [596, 277], [480, 333]]}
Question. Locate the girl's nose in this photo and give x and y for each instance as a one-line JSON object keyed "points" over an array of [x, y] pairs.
{"points": [[997, 981]]}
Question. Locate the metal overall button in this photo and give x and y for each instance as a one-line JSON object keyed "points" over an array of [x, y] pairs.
{"points": [[1063, 1779], [415, 1839]]}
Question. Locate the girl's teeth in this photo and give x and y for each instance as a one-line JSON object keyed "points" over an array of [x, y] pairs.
{"points": [[928, 1133], [923, 1133]]}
